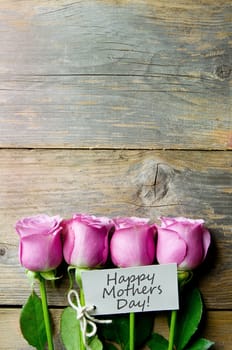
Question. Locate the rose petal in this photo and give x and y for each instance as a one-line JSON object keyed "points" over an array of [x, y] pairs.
{"points": [[133, 246], [169, 221], [195, 252], [38, 224], [35, 252], [171, 248], [68, 240], [85, 245], [206, 241], [96, 251], [128, 222], [94, 221]]}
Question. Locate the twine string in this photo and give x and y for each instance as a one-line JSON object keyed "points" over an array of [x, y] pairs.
{"points": [[83, 315]]}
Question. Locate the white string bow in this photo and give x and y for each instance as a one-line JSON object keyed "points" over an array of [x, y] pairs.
{"points": [[82, 314]]}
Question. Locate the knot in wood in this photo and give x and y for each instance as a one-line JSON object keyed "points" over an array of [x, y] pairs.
{"points": [[153, 181], [2, 251], [223, 71]]}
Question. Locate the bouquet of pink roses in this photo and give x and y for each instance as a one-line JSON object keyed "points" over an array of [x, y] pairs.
{"points": [[88, 242]]}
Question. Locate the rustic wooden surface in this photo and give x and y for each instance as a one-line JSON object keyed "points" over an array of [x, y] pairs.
{"points": [[116, 107], [142, 183], [99, 73]]}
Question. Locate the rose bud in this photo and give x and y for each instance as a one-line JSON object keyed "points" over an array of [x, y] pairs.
{"points": [[86, 240], [132, 243], [40, 247], [182, 241]]}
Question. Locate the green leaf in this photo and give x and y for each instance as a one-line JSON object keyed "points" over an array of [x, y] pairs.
{"points": [[143, 327], [50, 275], [117, 331], [109, 346], [157, 342], [32, 276], [70, 329], [32, 322], [188, 318], [95, 343], [201, 344], [70, 268], [71, 334]]}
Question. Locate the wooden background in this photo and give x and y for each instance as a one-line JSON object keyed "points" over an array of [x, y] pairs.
{"points": [[116, 108]]}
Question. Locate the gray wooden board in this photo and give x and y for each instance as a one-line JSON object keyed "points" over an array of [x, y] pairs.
{"points": [[116, 74], [194, 184], [128, 74]]}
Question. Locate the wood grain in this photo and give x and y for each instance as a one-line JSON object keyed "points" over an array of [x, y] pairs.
{"points": [[116, 183], [116, 107], [116, 74], [218, 329]]}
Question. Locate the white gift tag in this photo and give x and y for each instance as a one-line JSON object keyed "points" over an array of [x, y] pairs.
{"points": [[133, 289]]}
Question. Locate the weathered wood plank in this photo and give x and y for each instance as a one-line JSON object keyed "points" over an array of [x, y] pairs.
{"points": [[136, 74], [109, 74], [134, 37], [106, 112], [217, 329], [115, 183]]}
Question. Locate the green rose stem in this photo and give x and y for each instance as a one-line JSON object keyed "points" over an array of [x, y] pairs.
{"points": [[172, 329], [82, 301], [132, 331], [183, 278], [46, 313]]}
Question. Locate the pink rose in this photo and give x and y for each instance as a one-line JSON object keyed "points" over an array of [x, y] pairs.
{"points": [[182, 241], [86, 240], [40, 247], [133, 242]]}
